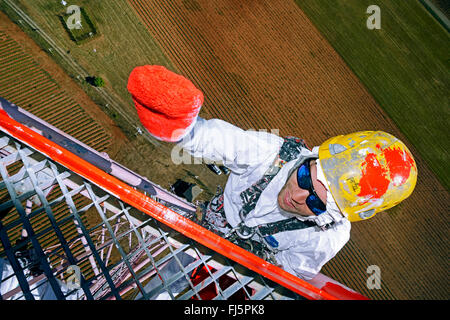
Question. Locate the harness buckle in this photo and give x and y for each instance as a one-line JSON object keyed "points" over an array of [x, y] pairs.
{"points": [[244, 232]]}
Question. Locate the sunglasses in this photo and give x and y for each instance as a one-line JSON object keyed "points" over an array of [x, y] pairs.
{"points": [[304, 181]]}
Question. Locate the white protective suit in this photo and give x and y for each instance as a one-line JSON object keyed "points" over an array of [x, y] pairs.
{"points": [[248, 154]]}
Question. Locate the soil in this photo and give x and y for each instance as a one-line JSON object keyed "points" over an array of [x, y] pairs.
{"points": [[64, 81]]}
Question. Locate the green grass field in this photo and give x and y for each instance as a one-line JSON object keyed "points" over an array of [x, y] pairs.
{"points": [[404, 65]]}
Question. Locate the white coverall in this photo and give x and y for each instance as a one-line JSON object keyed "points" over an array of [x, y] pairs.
{"points": [[248, 154]]}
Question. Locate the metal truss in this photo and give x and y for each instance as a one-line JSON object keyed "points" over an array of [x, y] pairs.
{"points": [[74, 224], [87, 244]]}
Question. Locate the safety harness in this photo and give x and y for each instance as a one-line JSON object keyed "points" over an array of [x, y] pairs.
{"points": [[246, 236], [290, 150]]}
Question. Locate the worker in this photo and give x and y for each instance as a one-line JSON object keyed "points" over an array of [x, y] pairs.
{"points": [[289, 204]]}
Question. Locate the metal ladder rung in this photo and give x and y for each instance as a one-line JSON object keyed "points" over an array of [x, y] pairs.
{"points": [[262, 293], [178, 275], [205, 283], [239, 284]]}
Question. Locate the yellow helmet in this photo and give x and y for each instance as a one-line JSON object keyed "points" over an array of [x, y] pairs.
{"points": [[367, 172]]}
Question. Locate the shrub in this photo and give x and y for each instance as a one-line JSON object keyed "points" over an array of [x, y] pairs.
{"points": [[99, 82]]}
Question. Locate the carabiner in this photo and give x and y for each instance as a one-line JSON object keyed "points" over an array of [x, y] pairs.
{"points": [[245, 232]]}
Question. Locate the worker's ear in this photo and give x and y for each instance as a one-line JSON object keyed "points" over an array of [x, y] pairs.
{"points": [[167, 104]]}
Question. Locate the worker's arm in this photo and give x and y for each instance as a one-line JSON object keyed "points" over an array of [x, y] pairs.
{"points": [[168, 105], [219, 141]]}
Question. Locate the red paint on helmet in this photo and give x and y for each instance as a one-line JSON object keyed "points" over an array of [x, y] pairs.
{"points": [[399, 163], [376, 177], [374, 180]]}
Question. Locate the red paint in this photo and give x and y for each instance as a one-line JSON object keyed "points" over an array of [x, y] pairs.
{"points": [[376, 177], [341, 292], [374, 182], [399, 163]]}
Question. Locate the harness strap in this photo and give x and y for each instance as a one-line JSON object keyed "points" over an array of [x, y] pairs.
{"points": [[290, 150], [290, 224]]}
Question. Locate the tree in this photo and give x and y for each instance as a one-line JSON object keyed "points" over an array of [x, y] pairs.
{"points": [[99, 82]]}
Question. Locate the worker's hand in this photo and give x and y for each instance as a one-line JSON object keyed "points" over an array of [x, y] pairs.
{"points": [[167, 103]]}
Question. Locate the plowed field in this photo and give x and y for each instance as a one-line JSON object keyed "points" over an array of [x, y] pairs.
{"points": [[26, 81], [263, 65], [35, 83]]}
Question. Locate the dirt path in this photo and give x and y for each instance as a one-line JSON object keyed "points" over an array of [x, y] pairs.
{"points": [[263, 65]]}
